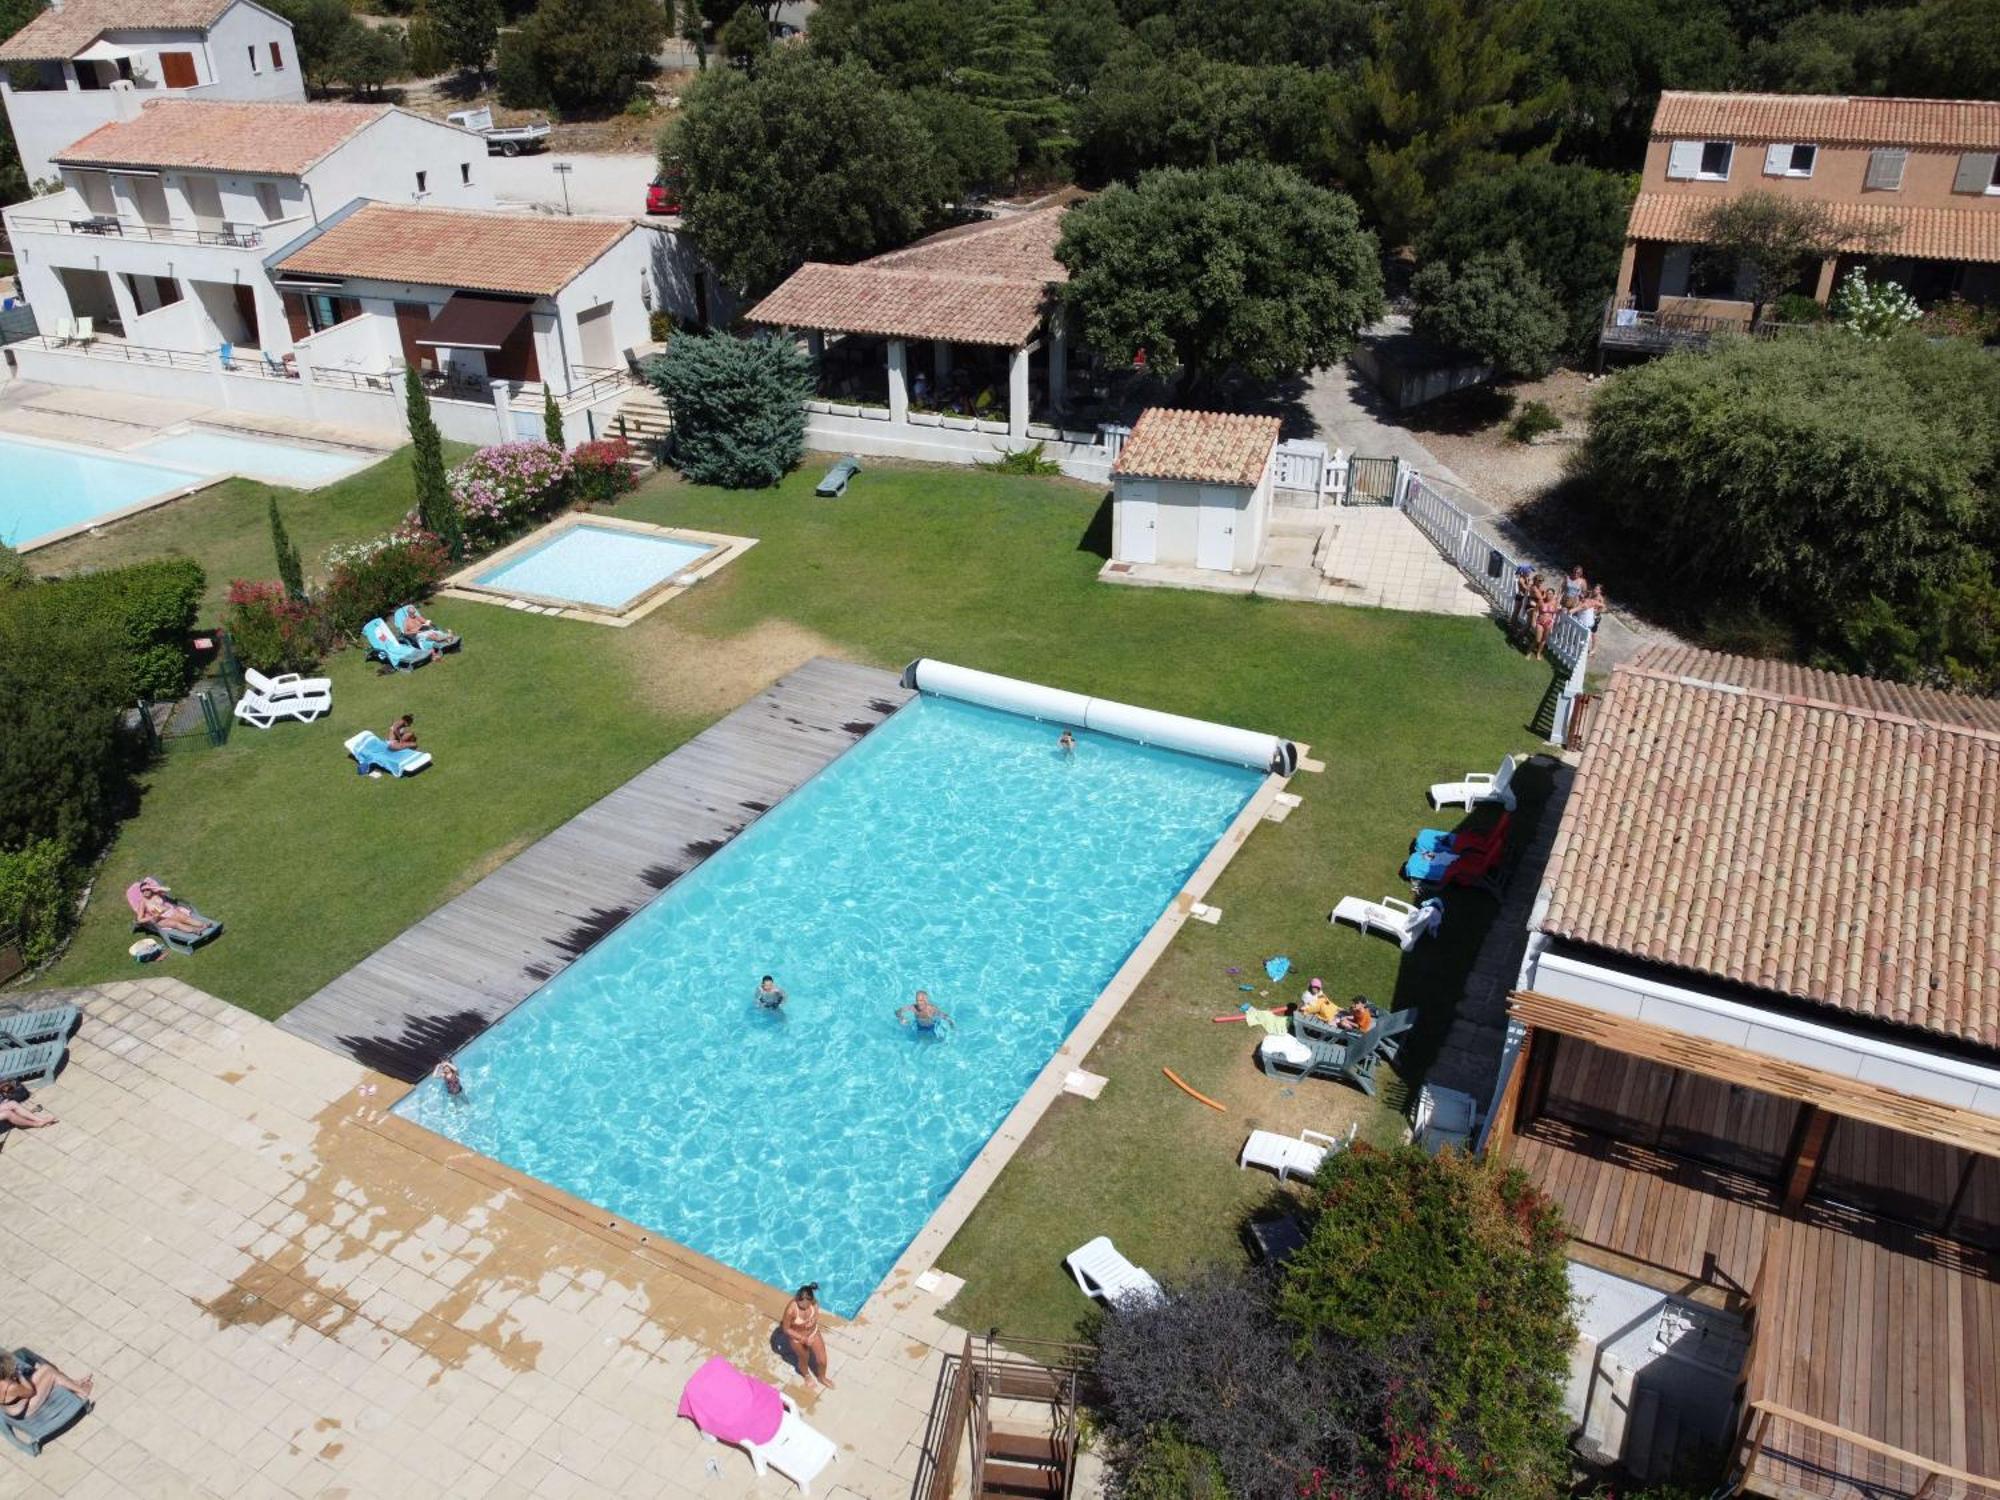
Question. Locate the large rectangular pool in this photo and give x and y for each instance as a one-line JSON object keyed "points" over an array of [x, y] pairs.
{"points": [[954, 849], [46, 490], [292, 464]]}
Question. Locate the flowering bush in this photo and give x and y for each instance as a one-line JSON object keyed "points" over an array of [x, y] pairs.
{"points": [[600, 471], [500, 488], [1873, 310], [1957, 318], [372, 578], [272, 631]]}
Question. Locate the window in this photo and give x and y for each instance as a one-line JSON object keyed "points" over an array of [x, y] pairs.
{"points": [[1707, 160], [269, 201], [177, 70], [1787, 160], [1885, 169], [324, 311], [277, 58], [465, 173], [1978, 172], [255, 66], [423, 179]]}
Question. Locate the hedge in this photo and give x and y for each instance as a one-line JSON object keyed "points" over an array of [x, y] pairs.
{"points": [[37, 898], [152, 608]]}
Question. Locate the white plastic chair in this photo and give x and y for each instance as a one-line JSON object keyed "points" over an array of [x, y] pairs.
{"points": [[1478, 786], [1400, 920], [798, 1450], [304, 700], [86, 330], [288, 685], [65, 330], [1101, 1271], [1291, 1156]]}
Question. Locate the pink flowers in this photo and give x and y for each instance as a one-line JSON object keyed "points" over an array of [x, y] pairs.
{"points": [[500, 487]]}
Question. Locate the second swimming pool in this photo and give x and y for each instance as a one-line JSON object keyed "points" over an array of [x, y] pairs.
{"points": [[954, 849]]}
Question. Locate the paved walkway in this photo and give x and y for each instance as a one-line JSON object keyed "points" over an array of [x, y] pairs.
{"points": [[284, 1292]]}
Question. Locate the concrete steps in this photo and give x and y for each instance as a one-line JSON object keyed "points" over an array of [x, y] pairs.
{"points": [[643, 417]]}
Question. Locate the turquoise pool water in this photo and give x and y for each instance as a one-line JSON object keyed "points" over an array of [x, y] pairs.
{"points": [[955, 849], [280, 463], [602, 565], [44, 489]]}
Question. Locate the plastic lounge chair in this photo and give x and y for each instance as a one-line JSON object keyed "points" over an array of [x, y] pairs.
{"points": [[728, 1406], [1102, 1272], [287, 685], [275, 366], [261, 707], [372, 753], [86, 330], [36, 1060], [1477, 787], [20, 1026], [435, 640], [54, 1415], [834, 485], [226, 353], [65, 331], [384, 645], [1291, 1156], [180, 942], [1401, 920], [1445, 1119], [1463, 839]]}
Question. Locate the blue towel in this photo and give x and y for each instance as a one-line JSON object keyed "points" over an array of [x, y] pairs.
{"points": [[1277, 967]]}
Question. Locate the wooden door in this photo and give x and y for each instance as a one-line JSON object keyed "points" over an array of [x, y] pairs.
{"points": [[412, 318], [177, 70]]}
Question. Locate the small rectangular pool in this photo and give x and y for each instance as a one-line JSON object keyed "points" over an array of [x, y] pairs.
{"points": [[277, 462], [605, 567], [47, 490], [954, 849]]}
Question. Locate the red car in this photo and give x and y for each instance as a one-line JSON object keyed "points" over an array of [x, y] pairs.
{"points": [[664, 195]]}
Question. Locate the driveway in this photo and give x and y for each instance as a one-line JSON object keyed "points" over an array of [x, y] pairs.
{"points": [[598, 184]]}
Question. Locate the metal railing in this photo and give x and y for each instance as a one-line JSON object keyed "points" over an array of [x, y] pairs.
{"points": [[232, 236], [595, 385], [131, 354], [358, 380], [1668, 327]]}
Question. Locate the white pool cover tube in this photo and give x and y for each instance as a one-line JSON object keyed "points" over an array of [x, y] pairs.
{"points": [[1147, 726]]}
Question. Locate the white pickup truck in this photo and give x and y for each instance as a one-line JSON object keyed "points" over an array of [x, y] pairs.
{"points": [[501, 140]]}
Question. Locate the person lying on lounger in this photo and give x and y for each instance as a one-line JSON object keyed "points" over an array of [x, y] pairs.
{"points": [[419, 630], [16, 1111], [161, 910], [25, 1384]]}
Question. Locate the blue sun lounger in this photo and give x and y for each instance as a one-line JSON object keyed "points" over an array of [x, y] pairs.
{"points": [[36, 1060], [372, 753], [441, 639], [56, 1413], [834, 485], [384, 645], [20, 1026]]}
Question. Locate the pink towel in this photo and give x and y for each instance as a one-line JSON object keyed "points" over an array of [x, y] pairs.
{"points": [[725, 1403]]}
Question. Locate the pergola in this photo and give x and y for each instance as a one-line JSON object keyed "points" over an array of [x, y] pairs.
{"points": [[988, 285]]}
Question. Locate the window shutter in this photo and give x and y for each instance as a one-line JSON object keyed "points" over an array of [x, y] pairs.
{"points": [[1885, 169], [1975, 171], [1777, 160], [1684, 160]]}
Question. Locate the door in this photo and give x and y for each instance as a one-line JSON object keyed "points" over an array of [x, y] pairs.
{"points": [[1215, 534], [412, 318], [600, 351], [1138, 521], [204, 202], [246, 309], [177, 70]]}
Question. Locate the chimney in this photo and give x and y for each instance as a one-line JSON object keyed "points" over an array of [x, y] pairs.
{"points": [[125, 101]]}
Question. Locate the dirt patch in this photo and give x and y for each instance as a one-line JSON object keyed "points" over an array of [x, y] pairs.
{"points": [[623, 131], [1468, 431], [682, 673]]}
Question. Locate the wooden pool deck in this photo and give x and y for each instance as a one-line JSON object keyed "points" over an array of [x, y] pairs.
{"points": [[427, 992]]}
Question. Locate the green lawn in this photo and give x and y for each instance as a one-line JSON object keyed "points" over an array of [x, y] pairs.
{"points": [[313, 867]]}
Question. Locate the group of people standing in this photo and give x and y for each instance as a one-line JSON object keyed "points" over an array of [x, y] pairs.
{"points": [[1538, 604]]}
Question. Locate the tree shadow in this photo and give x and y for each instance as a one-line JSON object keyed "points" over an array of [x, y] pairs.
{"points": [[1096, 538], [421, 1045]]}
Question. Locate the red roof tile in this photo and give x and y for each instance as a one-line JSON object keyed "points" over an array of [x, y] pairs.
{"points": [[58, 34], [1830, 119], [284, 140], [1210, 447], [1924, 233], [1822, 837], [525, 254]]}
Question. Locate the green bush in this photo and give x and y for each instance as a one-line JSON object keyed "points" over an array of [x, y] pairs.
{"points": [[371, 579], [738, 405], [65, 679], [1493, 306], [1532, 420], [151, 608], [1797, 307], [517, 75], [1163, 1465], [14, 572], [37, 898], [272, 631], [1029, 461]]}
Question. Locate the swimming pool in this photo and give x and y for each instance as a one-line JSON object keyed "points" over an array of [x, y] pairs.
{"points": [[46, 490], [955, 849], [607, 567], [257, 458]]}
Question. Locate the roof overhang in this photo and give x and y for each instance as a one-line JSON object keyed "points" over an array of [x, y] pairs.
{"points": [[476, 320]]}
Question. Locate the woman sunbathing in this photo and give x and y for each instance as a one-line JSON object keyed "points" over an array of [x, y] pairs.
{"points": [[25, 1384], [16, 1111], [161, 910], [419, 630], [403, 734]]}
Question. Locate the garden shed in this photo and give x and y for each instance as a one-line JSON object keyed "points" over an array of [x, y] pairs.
{"points": [[1193, 489]]}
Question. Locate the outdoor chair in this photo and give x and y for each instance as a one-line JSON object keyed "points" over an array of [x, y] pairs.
{"points": [[86, 330], [1101, 1271], [385, 646], [20, 1025], [264, 701], [172, 937], [728, 1406], [225, 353], [36, 1060], [1291, 1156], [1477, 787], [434, 638], [65, 330], [372, 753], [1401, 920], [61, 1409], [834, 485]]}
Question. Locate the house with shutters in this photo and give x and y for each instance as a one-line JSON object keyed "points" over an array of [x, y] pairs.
{"points": [[63, 74], [1919, 179]]}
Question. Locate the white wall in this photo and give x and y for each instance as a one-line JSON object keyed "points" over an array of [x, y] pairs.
{"points": [[617, 277], [382, 162], [871, 432], [242, 27]]}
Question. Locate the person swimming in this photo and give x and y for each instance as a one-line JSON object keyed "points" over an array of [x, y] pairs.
{"points": [[1067, 744], [923, 1013], [769, 996], [446, 1073]]}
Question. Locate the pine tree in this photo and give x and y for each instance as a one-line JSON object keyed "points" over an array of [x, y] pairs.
{"points": [[291, 572], [435, 510], [1009, 71], [552, 419]]}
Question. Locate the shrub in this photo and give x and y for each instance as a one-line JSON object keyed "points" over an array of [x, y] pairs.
{"points": [[738, 406], [1163, 1465], [14, 572], [1873, 309], [291, 570], [64, 682], [1031, 461], [552, 421], [1953, 318], [272, 631], [1797, 308], [435, 510], [373, 578], [1492, 306], [1532, 420], [37, 898], [501, 488], [599, 471], [151, 608]]}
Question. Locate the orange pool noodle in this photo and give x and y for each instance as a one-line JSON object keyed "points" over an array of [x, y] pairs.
{"points": [[1181, 1084]]}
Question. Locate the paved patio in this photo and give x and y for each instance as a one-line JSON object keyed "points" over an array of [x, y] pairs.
{"points": [[283, 1291]]}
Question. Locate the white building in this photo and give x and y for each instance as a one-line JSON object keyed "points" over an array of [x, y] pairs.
{"points": [[63, 74], [1193, 489], [164, 219]]}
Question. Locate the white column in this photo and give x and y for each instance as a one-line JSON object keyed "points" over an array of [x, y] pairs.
{"points": [[503, 410], [1058, 361], [899, 381], [1017, 394]]}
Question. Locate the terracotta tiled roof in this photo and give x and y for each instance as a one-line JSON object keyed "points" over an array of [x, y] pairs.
{"points": [[1212, 447], [529, 255], [57, 34], [978, 284], [1925, 233], [1827, 838], [282, 139], [1830, 120]]}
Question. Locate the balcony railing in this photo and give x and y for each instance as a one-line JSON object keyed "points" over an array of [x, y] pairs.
{"points": [[231, 236], [1630, 327]]}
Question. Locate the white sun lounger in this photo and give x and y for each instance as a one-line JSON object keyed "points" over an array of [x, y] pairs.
{"points": [[1397, 919], [288, 686], [1291, 1156], [1478, 786], [799, 1451], [1102, 1272], [86, 330], [65, 330], [260, 710]]}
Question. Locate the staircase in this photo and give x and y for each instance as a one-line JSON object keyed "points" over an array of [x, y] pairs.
{"points": [[644, 420], [1006, 1423]]}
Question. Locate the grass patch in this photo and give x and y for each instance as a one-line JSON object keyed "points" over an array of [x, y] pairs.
{"points": [[313, 868]]}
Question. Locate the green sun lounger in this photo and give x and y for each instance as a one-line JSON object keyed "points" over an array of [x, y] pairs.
{"points": [[21, 1025], [60, 1410], [36, 1060], [835, 484]]}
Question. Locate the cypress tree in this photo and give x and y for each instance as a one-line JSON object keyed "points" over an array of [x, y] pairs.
{"points": [[434, 504], [552, 419], [291, 572]]}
